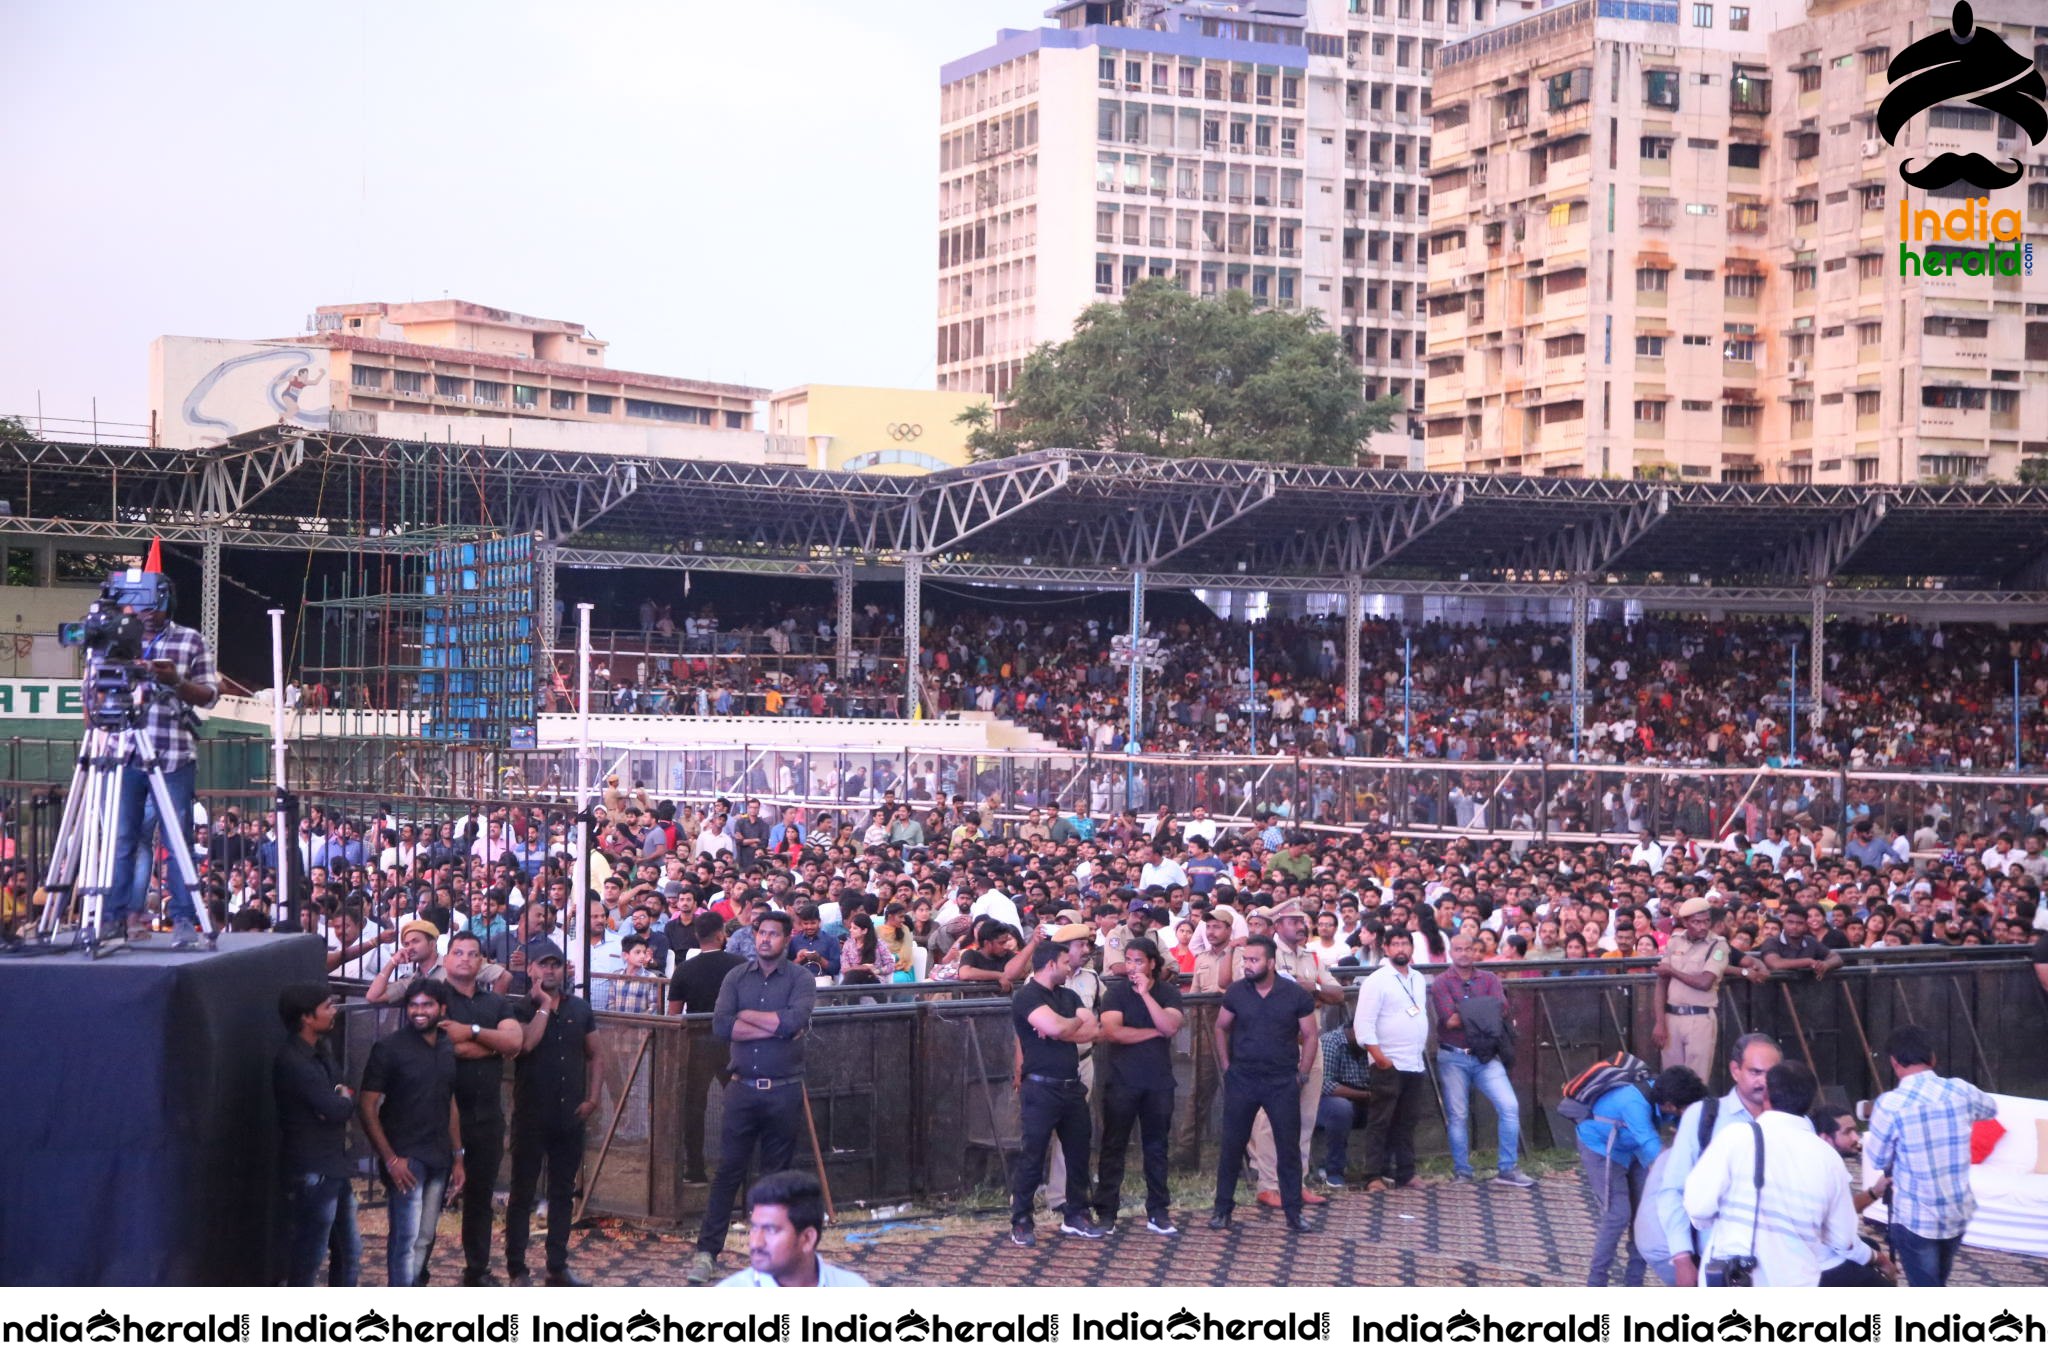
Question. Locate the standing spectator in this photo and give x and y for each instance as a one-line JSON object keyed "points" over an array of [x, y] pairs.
{"points": [[1471, 1032], [1295, 959], [1618, 1145], [313, 1110], [1265, 1032], [409, 1115], [1920, 1138], [694, 990], [1750, 1059], [554, 1089], [1773, 1192], [1393, 1028], [763, 1011]]}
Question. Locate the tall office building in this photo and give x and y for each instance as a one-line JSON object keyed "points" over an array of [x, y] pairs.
{"points": [[1665, 242], [1279, 147]]}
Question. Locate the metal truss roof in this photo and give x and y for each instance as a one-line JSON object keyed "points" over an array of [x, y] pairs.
{"points": [[1075, 515]]}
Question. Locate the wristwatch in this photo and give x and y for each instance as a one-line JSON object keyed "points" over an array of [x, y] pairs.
{"points": [[476, 1031]]}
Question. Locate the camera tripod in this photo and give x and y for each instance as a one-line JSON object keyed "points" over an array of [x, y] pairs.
{"points": [[82, 870]]}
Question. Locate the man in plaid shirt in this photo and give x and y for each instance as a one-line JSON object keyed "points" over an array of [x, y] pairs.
{"points": [[1920, 1139], [638, 990], [183, 674]]}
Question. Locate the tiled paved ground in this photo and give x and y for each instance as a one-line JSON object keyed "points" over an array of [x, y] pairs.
{"points": [[1429, 1234]]}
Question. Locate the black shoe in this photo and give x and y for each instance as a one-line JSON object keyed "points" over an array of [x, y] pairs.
{"points": [[567, 1279], [480, 1279], [519, 1276], [1296, 1223], [1023, 1235], [696, 1178], [1219, 1221], [1081, 1225]]}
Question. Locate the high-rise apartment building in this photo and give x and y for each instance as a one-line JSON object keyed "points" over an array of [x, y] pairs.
{"points": [[1279, 147], [1665, 242]]}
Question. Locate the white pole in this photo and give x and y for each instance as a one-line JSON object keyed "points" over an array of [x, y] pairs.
{"points": [[284, 835], [579, 891]]}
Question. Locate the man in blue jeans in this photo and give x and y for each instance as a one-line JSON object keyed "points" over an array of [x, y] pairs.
{"points": [[182, 675], [1920, 1137], [409, 1115], [313, 1110], [1468, 1055]]}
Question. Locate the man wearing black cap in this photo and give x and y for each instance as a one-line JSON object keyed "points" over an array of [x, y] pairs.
{"points": [[554, 1089], [764, 1011]]}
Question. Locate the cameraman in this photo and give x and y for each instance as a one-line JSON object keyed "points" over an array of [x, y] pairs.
{"points": [[182, 675]]}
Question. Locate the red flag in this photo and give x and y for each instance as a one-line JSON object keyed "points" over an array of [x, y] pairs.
{"points": [[155, 562]]}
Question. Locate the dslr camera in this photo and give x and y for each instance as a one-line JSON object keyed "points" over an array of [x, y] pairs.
{"points": [[1733, 1272]]}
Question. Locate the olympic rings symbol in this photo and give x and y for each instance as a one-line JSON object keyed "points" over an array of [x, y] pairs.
{"points": [[904, 431]]}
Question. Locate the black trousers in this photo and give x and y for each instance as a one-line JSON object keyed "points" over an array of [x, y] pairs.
{"points": [[758, 1123], [483, 1146], [1045, 1108], [1152, 1112], [1243, 1099], [708, 1061], [562, 1150], [1391, 1116]]}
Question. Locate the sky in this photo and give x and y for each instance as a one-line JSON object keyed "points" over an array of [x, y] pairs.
{"points": [[744, 192]]}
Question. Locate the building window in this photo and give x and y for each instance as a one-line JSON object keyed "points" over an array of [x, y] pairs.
{"points": [[447, 386], [1748, 156], [1660, 89], [1742, 286], [1964, 120], [1738, 18], [363, 377], [1809, 80], [1698, 276], [525, 396], [1568, 88], [488, 391], [1650, 347], [408, 381], [1653, 280], [1876, 60], [667, 412], [1655, 148], [735, 421], [597, 404], [1650, 410], [1702, 16], [559, 401]]}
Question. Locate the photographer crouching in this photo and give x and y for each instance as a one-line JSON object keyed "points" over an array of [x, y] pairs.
{"points": [[181, 676]]}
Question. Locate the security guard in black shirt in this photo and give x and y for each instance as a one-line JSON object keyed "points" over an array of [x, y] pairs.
{"points": [[1266, 1042], [1140, 1014], [1052, 1025], [485, 1032], [554, 1089]]}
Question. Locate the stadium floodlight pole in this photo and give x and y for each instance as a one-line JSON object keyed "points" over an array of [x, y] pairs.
{"points": [[2015, 715], [1407, 695], [1792, 711], [1251, 692], [580, 884], [277, 780]]}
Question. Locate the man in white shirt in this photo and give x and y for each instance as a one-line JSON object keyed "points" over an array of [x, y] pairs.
{"points": [[1750, 1059], [1161, 871], [1647, 853], [991, 902], [1392, 1025], [1200, 826], [712, 838], [1802, 1214]]}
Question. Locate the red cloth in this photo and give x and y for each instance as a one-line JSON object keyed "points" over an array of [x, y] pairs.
{"points": [[1984, 1135]]}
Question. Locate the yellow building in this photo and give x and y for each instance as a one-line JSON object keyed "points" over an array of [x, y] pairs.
{"points": [[863, 430]]}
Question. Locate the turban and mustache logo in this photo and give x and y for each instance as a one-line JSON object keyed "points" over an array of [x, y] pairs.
{"points": [[1963, 62]]}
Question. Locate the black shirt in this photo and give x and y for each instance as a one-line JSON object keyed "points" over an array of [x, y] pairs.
{"points": [[311, 1113], [1265, 1030], [549, 1083], [2040, 954], [696, 982], [1147, 1065], [1792, 947], [416, 1078], [1045, 1056], [479, 1083], [745, 828], [789, 992], [982, 962]]}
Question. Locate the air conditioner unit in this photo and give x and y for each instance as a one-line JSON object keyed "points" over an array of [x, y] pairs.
{"points": [[1873, 146]]}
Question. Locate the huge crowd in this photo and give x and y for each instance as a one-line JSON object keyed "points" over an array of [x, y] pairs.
{"points": [[1665, 690]]}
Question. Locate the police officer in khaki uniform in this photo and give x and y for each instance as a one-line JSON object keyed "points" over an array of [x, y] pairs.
{"points": [[1085, 982], [1689, 987], [1296, 961]]}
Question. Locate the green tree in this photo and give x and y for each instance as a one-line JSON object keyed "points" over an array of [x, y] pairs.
{"points": [[12, 430], [1164, 373]]}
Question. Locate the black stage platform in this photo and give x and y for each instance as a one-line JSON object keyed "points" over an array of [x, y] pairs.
{"points": [[138, 1138]]}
